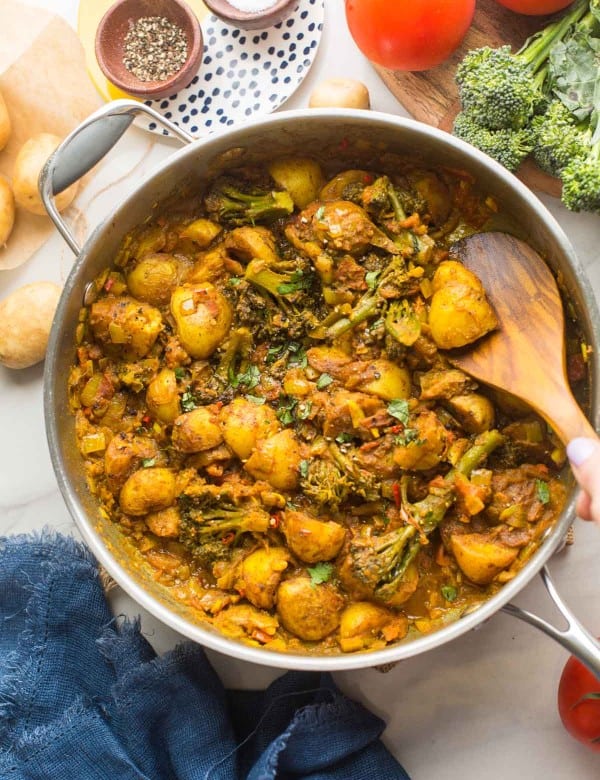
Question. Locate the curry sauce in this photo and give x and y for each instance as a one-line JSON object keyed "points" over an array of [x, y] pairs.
{"points": [[265, 408]]}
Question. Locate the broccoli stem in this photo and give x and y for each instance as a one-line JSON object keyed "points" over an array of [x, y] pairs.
{"points": [[399, 212], [430, 511], [367, 307], [236, 356], [264, 277], [534, 52]]}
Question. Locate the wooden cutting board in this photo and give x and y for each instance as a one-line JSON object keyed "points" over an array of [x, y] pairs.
{"points": [[432, 96]]}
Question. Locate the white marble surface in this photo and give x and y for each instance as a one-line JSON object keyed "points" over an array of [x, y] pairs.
{"points": [[480, 707]]}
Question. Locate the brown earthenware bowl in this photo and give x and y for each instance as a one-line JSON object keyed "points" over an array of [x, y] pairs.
{"points": [[252, 20], [110, 40]]}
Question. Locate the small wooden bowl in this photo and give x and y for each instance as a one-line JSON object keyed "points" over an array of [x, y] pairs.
{"points": [[252, 20], [110, 39]]}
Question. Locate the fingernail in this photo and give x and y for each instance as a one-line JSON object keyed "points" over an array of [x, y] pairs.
{"points": [[579, 450]]}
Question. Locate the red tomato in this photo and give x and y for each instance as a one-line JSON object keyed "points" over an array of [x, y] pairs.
{"points": [[579, 703], [416, 35], [535, 7]]}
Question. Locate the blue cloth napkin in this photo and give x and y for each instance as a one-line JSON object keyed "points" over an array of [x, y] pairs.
{"points": [[84, 696]]}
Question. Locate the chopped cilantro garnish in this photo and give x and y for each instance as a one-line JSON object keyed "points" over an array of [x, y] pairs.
{"points": [[542, 491], [297, 282], [398, 408], [285, 410], [179, 373], [344, 438], [188, 401], [320, 212], [256, 399], [319, 573], [323, 381], [249, 378], [407, 436], [303, 468], [449, 592], [234, 280], [148, 462]]}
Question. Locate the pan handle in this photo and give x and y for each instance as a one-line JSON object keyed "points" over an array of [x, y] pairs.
{"points": [[575, 638], [86, 146]]}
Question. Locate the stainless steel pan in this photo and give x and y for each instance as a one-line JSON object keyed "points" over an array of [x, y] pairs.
{"points": [[293, 132]]}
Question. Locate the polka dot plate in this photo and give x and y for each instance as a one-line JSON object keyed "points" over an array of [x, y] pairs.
{"points": [[244, 72]]}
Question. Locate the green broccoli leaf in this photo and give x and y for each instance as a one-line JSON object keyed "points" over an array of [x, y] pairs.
{"points": [[575, 71], [449, 592]]}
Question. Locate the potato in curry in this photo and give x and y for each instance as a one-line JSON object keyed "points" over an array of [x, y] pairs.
{"points": [[265, 406]]}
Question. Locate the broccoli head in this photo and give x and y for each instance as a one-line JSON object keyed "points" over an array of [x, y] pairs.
{"points": [[284, 297], [333, 480], [325, 484], [496, 88], [393, 282], [227, 202], [508, 147], [502, 90], [211, 519], [581, 182], [380, 562], [557, 139]]}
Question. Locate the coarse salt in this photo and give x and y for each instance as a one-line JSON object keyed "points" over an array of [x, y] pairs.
{"points": [[252, 6]]}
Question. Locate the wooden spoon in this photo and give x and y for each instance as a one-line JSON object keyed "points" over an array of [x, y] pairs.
{"points": [[526, 355]]}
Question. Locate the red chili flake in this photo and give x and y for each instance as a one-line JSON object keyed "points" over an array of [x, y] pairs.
{"points": [[397, 495], [228, 538], [275, 521], [396, 429], [146, 419], [344, 143], [368, 178], [109, 283]]}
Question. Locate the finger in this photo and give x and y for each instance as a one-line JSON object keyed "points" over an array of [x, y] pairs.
{"points": [[583, 507], [584, 456]]}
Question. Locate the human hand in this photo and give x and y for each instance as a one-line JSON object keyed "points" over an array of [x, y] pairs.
{"points": [[584, 456]]}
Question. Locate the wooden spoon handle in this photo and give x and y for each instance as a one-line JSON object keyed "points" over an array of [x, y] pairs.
{"points": [[564, 415]]}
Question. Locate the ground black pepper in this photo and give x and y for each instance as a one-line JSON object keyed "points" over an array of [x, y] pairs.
{"points": [[154, 48]]}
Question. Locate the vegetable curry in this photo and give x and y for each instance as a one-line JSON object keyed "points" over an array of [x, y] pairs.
{"points": [[265, 406]]}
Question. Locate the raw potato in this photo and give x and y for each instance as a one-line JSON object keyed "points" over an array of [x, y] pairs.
{"points": [[5, 126], [7, 210], [28, 165], [340, 93], [25, 319]]}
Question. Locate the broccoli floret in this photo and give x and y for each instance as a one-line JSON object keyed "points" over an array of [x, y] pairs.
{"points": [[380, 562], [325, 484], [363, 483], [285, 298], [391, 283], [227, 203], [235, 359], [279, 284], [557, 139], [508, 147], [503, 90], [581, 182], [211, 516], [330, 482]]}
